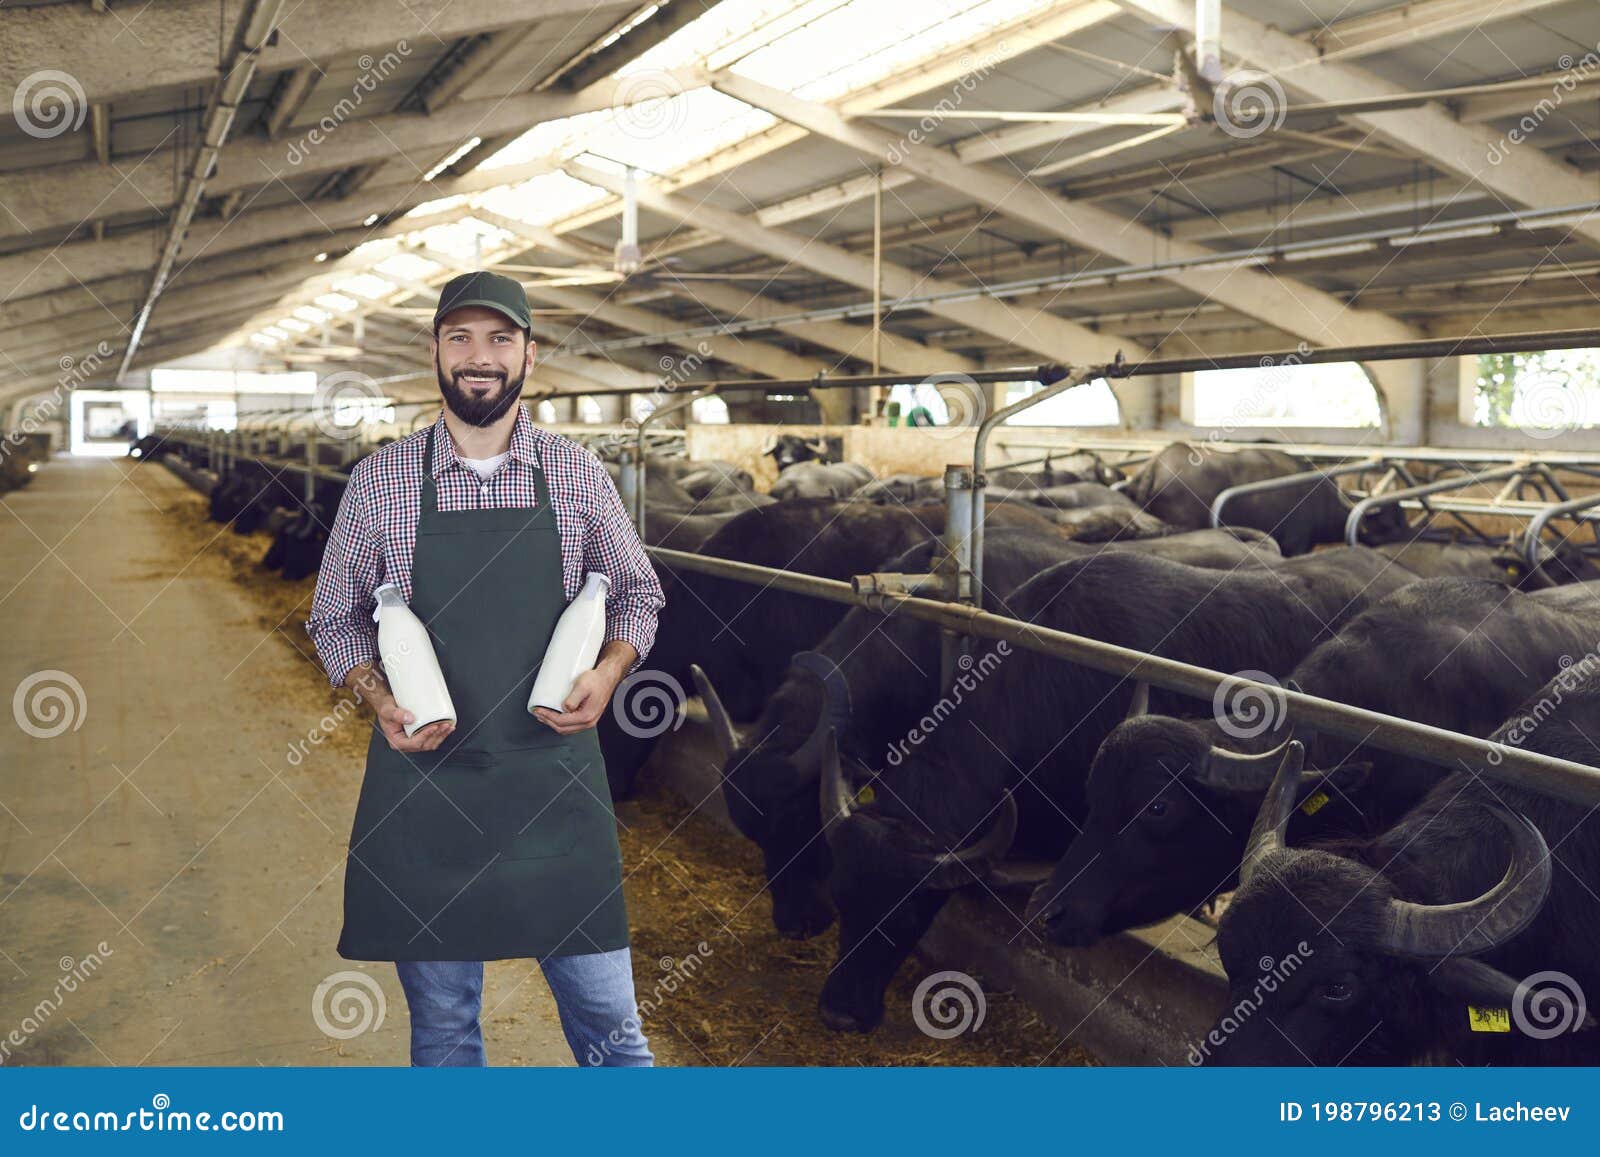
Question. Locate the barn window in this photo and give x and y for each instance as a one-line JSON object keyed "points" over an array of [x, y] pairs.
{"points": [[588, 410], [711, 411], [546, 411], [1550, 390], [1091, 404], [1334, 394], [641, 406]]}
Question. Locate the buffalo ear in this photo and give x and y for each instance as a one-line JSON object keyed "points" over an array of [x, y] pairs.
{"points": [[1346, 777], [1473, 998]]}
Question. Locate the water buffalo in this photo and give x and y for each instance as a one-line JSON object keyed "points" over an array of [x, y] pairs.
{"points": [[787, 449], [1171, 799], [1477, 910], [1010, 760], [744, 634], [716, 479], [890, 668], [298, 543], [1179, 484], [820, 480]]}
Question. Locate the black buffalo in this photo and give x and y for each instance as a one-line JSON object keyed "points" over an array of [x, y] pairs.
{"points": [[1012, 757], [1171, 800], [889, 671], [743, 634], [1180, 483], [1477, 908]]}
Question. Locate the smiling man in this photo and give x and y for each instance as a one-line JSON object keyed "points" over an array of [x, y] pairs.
{"points": [[492, 838]]}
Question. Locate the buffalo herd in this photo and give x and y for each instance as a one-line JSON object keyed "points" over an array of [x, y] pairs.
{"points": [[1416, 903]]}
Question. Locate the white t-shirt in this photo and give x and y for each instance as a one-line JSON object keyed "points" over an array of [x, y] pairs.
{"points": [[484, 467]]}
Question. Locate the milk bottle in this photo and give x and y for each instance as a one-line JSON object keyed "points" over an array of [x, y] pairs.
{"points": [[574, 646], [409, 662]]}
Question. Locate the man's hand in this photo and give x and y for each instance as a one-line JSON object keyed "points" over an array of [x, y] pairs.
{"points": [[392, 719], [591, 691], [367, 681]]}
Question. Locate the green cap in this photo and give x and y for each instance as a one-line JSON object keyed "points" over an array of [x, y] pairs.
{"points": [[490, 290]]}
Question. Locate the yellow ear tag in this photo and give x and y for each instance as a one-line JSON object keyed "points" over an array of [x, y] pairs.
{"points": [[1315, 804], [1488, 1019], [866, 795]]}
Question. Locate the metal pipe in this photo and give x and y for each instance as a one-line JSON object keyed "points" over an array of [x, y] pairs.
{"points": [[1352, 525], [1139, 448], [643, 424], [237, 68], [955, 562], [1282, 482], [1543, 773], [1530, 540], [1061, 379]]}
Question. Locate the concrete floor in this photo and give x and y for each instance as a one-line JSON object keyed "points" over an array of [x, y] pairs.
{"points": [[170, 883]]}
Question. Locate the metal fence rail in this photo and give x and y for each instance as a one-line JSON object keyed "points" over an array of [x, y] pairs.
{"points": [[1546, 774]]}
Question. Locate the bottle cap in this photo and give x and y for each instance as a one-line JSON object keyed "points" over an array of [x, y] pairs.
{"points": [[388, 595]]}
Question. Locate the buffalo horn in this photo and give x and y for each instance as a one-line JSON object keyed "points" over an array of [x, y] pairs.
{"points": [[1476, 926], [1267, 836], [721, 722], [958, 868], [1239, 771], [835, 712], [837, 801]]}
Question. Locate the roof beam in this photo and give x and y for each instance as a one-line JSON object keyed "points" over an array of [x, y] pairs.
{"points": [[317, 225], [1405, 24], [174, 43], [68, 196], [1297, 308], [1468, 151], [1042, 333], [895, 353]]}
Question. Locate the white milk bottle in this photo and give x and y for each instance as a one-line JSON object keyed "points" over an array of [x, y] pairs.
{"points": [[574, 646], [409, 662]]}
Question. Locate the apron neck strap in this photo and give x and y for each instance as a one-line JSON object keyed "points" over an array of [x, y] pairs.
{"points": [[430, 492]]}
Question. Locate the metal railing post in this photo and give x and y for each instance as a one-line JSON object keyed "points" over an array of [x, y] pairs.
{"points": [[956, 562], [1056, 380]]}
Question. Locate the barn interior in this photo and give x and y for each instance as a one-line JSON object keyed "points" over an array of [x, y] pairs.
{"points": [[982, 348]]}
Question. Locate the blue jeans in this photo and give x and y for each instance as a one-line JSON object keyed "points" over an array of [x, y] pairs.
{"points": [[594, 997]]}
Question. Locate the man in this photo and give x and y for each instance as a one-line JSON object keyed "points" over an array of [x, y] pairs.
{"points": [[492, 838]]}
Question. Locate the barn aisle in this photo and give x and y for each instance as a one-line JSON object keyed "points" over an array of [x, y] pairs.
{"points": [[170, 873]]}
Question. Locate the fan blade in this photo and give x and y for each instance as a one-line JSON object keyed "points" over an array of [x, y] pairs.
{"points": [[1065, 118], [1106, 150]]}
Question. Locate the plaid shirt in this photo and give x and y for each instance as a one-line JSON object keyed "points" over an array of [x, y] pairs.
{"points": [[375, 532]]}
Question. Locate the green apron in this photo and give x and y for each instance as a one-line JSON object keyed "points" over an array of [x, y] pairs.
{"points": [[501, 842]]}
